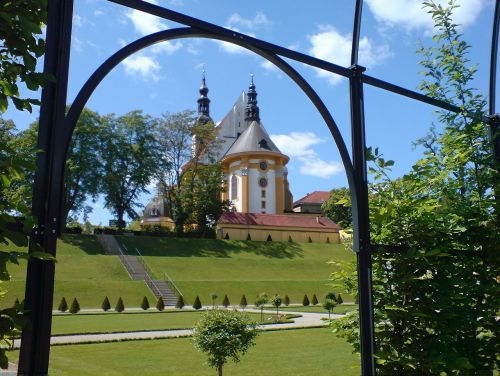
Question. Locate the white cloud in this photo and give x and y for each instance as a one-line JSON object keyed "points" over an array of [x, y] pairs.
{"points": [[267, 65], [144, 66], [78, 21], [329, 45], [410, 14], [237, 20], [234, 49], [298, 146], [98, 13], [145, 23]]}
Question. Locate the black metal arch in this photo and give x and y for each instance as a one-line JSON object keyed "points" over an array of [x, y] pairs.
{"points": [[189, 32]]}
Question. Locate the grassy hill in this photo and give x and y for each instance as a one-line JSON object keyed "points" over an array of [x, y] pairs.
{"points": [[202, 266], [82, 271]]}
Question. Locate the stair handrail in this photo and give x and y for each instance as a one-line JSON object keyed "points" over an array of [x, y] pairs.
{"points": [[143, 262], [122, 257], [172, 283]]}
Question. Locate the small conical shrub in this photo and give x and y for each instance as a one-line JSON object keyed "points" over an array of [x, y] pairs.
{"points": [[180, 302], [75, 306], [286, 300], [106, 306], [227, 236], [314, 300], [269, 239], [120, 307], [160, 305], [305, 301], [145, 304], [309, 240], [243, 302], [249, 237], [197, 303], [290, 240], [63, 306], [327, 240], [339, 299], [225, 302]]}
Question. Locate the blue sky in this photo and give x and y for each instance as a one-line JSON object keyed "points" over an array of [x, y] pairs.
{"points": [[166, 77]]}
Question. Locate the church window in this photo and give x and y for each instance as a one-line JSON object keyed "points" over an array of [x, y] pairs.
{"points": [[263, 165], [263, 182], [263, 193], [234, 187], [263, 204]]}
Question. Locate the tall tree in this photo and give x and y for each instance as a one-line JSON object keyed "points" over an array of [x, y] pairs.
{"points": [[130, 158], [436, 299], [338, 207]]}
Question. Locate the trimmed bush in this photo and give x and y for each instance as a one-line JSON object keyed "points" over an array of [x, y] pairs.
{"points": [[314, 300], [120, 307], [309, 240], [75, 306], [160, 305], [290, 240], [305, 301], [243, 302], [339, 299], [197, 303], [225, 302], [331, 296], [227, 236], [327, 240], [63, 306], [286, 300], [180, 302], [106, 305], [269, 239], [145, 304], [249, 237]]}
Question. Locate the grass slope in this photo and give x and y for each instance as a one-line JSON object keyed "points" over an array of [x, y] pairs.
{"points": [[202, 266], [306, 352], [82, 271]]}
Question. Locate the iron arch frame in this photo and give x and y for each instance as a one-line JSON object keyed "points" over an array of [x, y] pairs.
{"points": [[56, 128]]}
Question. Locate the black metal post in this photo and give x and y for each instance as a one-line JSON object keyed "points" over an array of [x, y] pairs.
{"points": [[361, 223], [35, 340]]}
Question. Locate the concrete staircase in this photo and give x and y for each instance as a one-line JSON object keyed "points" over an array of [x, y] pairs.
{"points": [[137, 270]]}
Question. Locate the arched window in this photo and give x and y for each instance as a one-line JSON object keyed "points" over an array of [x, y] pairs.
{"points": [[234, 187]]}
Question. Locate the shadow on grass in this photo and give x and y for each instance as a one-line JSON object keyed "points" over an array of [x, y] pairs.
{"points": [[177, 247], [87, 243]]}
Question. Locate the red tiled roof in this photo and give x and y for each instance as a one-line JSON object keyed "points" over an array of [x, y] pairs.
{"points": [[281, 220], [317, 197]]}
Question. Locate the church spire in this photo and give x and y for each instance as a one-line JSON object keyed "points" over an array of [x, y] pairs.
{"points": [[252, 110], [203, 101]]}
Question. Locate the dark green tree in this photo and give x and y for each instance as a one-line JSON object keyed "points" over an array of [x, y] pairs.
{"points": [[260, 302], [276, 302], [286, 301], [224, 335], [329, 305], [75, 306], [314, 300], [106, 306], [130, 160], [197, 303], [120, 306], [180, 302], [225, 301], [305, 301], [214, 297], [63, 305], [160, 305], [338, 207], [243, 302], [145, 303], [339, 299]]}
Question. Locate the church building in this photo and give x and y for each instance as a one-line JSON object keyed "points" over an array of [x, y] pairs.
{"points": [[255, 179]]}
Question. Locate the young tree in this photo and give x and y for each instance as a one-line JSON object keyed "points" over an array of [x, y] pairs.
{"points": [[225, 301], [314, 300], [329, 305], [130, 159], [305, 301], [261, 301], [180, 302], [276, 302], [106, 305], [75, 306], [120, 306], [63, 305], [214, 297], [243, 302], [197, 303], [160, 305], [224, 335], [436, 298], [286, 301], [145, 303], [338, 207]]}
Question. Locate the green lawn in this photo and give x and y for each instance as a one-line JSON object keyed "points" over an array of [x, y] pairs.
{"points": [[293, 352], [82, 271], [339, 309], [124, 322], [202, 266]]}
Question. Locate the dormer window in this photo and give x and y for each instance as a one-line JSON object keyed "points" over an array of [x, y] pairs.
{"points": [[263, 144]]}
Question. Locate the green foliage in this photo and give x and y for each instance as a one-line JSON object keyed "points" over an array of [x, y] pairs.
{"points": [[339, 299], [276, 302], [160, 305], [197, 303], [286, 301], [180, 302], [214, 297], [260, 301], [305, 301], [224, 335], [290, 240], [329, 305], [145, 303], [120, 306], [75, 306], [106, 306], [338, 207], [249, 237], [309, 240], [269, 239], [243, 302], [314, 300], [63, 305], [437, 298], [22, 44], [225, 301]]}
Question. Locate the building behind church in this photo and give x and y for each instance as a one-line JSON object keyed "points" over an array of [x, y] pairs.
{"points": [[255, 179]]}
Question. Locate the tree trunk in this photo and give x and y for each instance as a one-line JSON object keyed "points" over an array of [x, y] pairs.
{"points": [[219, 368]]}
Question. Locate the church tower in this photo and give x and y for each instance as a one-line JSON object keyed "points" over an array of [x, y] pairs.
{"points": [[257, 176], [203, 115]]}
